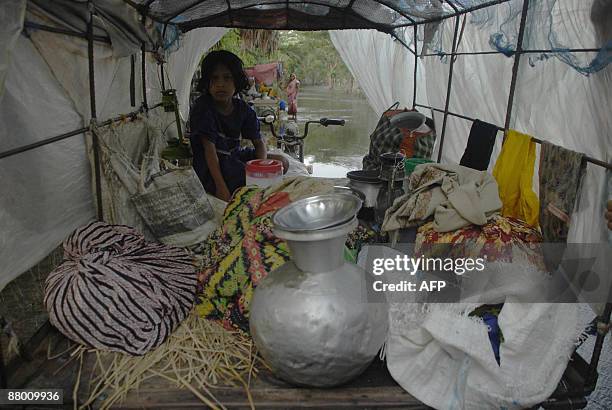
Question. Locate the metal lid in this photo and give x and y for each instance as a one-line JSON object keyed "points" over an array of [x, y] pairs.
{"points": [[264, 165], [317, 212], [369, 177], [392, 158]]}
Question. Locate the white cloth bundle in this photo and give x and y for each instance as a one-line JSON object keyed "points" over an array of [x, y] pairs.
{"points": [[454, 195]]}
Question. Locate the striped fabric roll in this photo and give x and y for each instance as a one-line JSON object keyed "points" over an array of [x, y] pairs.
{"points": [[114, 291]]}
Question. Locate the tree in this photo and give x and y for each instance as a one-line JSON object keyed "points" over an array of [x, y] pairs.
{"points": [[311, 55]]}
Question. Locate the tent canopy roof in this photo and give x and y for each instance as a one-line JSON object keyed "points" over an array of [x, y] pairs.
{"points": [[382, 15]]}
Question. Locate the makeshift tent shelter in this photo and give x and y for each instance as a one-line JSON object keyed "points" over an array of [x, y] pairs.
{"points": [[503, 61], [264, 73]]}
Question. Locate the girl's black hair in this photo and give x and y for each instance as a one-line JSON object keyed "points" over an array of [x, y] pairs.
{"points": [[231, 61]]}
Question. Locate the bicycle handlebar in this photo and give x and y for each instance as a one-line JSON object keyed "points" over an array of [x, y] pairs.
{"points": [[331, 121], [323, 121]]}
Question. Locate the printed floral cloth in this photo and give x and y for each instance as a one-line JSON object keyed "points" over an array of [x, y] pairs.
{"points": [[500, 239], [561, 172], [237, 256]]}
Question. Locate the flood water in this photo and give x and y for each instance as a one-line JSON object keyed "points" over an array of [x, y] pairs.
{"points": [[335, 150]]}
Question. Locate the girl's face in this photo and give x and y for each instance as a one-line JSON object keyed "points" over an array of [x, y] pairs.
{"points": [[222, 87], [292, 77]]}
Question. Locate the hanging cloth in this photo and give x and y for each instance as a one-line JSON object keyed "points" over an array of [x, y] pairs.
{"points": [[479, 146], [561, 172], [514, 174]]}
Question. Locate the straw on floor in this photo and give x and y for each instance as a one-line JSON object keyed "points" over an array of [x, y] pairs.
{"points": [[199, 355]]}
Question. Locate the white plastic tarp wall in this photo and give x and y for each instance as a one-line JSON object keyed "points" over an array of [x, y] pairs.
{"points": [[383, 67], [47, 192], [552, 102], [14, 11]]}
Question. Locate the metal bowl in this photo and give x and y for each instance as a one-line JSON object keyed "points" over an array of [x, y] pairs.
{"points": [[411, 120], [320, 250], [349, 190], [317, 212]]}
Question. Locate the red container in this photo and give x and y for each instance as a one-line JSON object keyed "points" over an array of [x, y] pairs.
{"points": [[264, 172]]}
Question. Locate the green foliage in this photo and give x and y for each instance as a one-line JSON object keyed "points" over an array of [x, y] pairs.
{"points": [[310, 55]]}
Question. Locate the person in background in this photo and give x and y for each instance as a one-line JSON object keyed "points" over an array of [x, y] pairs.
{"points": [[252, 92], [219, 120], [293, 88]]}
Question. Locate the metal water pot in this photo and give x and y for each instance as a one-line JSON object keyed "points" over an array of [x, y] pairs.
{"points": [[309, 318]]}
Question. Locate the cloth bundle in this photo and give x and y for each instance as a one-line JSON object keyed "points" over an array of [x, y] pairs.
{"points": [[455, 196], [115, 291], [441, 353], [443, 357]]}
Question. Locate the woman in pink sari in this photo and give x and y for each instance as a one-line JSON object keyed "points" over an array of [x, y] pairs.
{"points": [[293, 89]]}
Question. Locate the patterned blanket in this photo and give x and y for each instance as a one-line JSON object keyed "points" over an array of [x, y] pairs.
{"points": [[237, 256]]}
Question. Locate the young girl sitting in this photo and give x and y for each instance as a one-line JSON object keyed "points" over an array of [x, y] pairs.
{"points": [[218, 120]]}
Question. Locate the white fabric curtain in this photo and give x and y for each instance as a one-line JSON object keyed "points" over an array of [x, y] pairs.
{"points": [[383, 67], [47, 192]]}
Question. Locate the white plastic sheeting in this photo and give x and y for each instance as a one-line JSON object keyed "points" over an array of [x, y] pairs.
{"points": [[14, 10], [47, 192], [553, 101], [383, 67]]}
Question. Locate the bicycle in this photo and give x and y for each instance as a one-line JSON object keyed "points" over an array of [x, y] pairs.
{"points": [[292, 142]]}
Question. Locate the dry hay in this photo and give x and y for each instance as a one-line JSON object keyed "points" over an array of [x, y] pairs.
{"points": [[199, 355]]}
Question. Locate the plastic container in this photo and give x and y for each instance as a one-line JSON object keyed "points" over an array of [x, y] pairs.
{"points": [[411, 163], [264, 172]]}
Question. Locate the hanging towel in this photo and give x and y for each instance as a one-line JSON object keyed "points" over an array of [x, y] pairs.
{"points": [[514, 174], [479, 146], [561, 172]]}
